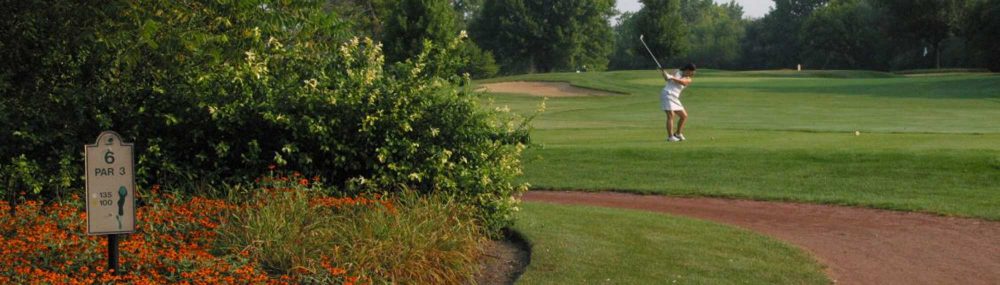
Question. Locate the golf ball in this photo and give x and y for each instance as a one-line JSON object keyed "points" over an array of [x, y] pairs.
{"points": [[857, 133]]}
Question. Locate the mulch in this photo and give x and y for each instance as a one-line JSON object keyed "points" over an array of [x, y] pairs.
{"points": [[504, 260]]}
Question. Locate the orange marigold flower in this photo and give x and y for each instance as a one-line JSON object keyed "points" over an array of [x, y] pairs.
{"points": [[335, 271]]}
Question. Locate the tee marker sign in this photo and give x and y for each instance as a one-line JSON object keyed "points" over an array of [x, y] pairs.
{"points": [[110, 186]]}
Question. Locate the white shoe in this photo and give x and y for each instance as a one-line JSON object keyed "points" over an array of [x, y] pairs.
{"points": [[680, 137], [673, 139]]}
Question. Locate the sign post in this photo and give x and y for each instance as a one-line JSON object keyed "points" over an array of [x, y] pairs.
{"points": [[110, 191]]}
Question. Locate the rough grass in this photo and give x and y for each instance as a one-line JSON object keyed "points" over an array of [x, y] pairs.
{"points": [[928, 144], [588, 245]]}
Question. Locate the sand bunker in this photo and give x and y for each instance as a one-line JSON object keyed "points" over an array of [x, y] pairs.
{"points": [[542, 89]]}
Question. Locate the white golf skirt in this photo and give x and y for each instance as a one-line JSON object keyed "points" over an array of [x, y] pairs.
{"points": [[670, 102]]}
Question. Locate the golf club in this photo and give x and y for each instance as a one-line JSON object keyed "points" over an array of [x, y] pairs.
{"points": [[650, 51]]}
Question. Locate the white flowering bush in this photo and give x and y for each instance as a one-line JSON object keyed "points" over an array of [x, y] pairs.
{"points": [[214, 92]]}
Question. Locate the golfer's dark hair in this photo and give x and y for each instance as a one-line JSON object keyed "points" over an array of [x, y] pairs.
{"points": [[690, 66]]}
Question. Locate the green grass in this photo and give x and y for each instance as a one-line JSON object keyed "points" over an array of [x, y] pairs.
{"points": [[941, 71], [929, 144], [633, 247], [814, 73]]}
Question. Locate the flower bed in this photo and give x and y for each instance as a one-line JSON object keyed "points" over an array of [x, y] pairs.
{"points": [[285, 230], [174, 243]]}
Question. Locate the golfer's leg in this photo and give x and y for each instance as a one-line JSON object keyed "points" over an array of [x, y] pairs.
{"points": [[670, 123], [683, 114]]}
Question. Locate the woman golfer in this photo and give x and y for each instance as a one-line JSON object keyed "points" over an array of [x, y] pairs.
{"points": [[670, 99]]}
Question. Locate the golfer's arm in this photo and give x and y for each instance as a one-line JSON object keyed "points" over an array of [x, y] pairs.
{"points": [[682, 81], [666, 76]]}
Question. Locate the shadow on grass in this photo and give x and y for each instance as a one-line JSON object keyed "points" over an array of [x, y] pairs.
{"points": [[950, 87]]}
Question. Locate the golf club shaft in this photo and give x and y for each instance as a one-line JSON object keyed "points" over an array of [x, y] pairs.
{"points": [[650, 52]]}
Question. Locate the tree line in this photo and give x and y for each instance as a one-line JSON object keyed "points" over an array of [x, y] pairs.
{"points": [[875, 34], [522, 36]]}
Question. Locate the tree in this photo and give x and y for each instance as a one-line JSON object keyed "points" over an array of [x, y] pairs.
{"points": [[628, 52], [661, 23], [467, 10], [754, 46], [923, 22], [546, 35], [364, 16], [508, 29], [844, 34], [714, 33], [983, 29], [45, 43], [477, 62], [411, 22], [584, 26], [773, 41]]}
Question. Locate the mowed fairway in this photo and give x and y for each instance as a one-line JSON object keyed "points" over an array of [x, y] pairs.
{"points": [[927, 143]]}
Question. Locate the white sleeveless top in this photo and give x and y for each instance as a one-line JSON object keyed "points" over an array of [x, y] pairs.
{"points": [[674, 88]]}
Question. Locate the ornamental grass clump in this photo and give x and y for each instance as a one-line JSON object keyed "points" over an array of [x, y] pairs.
{"points": [[408, 239], [431, 240], [283, 232]]}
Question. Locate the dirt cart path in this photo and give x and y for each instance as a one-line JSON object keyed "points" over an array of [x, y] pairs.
{"points": [[858, 246]]}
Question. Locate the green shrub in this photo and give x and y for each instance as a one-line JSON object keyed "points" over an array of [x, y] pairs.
{"points": [[212, 92]]}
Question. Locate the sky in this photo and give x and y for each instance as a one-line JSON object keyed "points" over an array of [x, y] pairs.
{"points": [[751, 8]]}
